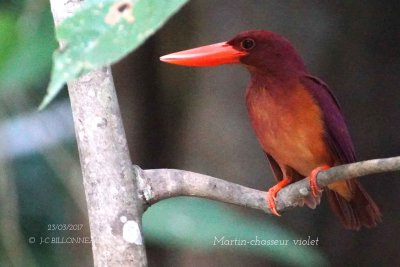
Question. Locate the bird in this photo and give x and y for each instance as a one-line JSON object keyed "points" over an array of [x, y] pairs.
{"points": [[296, 119]]}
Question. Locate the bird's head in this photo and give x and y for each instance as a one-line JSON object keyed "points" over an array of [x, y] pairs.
{"points": [[259, 50]]}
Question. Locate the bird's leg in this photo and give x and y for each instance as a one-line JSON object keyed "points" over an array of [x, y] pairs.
{"points": [[315, 189], [271, 194]]}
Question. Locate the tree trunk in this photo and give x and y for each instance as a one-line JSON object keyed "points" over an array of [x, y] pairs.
{"points": [[110, 184]]}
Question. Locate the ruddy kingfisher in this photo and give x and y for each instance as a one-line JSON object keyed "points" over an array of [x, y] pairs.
{"points": [[296, 118]]}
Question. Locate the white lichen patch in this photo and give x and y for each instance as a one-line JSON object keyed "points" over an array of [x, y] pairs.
{"points": [[131, 232], [146, 192], [91, 92], [303, 191], [123, 219]]}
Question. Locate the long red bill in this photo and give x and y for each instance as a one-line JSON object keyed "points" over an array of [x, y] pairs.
{"points": [[209, 55]]}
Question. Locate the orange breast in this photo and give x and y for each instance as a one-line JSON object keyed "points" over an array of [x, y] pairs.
{"points": [[289, 126]]}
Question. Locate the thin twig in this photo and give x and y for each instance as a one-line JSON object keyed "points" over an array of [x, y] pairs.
{"points": [[159, 184]]}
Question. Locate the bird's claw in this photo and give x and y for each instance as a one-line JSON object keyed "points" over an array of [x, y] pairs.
{"points": [[271, 201], [315, 189], [272, 194]]}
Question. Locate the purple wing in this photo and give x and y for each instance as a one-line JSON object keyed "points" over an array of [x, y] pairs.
{"points": [[337, 135], [360, 210]]}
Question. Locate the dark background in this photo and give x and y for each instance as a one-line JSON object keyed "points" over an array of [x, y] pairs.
{"points": [[195, 119]]}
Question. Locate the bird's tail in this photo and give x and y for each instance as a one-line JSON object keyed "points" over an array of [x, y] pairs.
{"points": [[355, 210]]}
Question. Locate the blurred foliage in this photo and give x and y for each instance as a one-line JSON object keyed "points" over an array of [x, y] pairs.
{"points": [[26, 44], [44, 198], [195, 223], [101, 33], [46, 187], [35, 189]]}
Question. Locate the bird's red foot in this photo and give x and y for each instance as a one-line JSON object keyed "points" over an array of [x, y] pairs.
{"points": [[315, 189], [271, 194]]}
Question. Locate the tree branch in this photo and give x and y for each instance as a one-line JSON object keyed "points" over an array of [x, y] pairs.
{"points": [[159, 184]]}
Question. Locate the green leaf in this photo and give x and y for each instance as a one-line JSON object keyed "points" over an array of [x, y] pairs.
{"points": [[193, 223], [7, 35], [103, 32], [25, 49]]}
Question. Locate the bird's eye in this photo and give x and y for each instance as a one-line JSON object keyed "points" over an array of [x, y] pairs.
{"points": [[247, 44]]}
